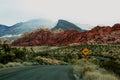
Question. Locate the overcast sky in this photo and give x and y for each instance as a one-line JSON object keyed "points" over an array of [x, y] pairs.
{"points": [[93, 12]]}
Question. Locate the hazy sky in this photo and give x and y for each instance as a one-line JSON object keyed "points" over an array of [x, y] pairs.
{"points": [[93, 12]]}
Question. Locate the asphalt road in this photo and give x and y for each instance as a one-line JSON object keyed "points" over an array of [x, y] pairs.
{"points": [[58, 72]]}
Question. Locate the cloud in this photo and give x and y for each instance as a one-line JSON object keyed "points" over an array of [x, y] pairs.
{"points": [[9, 36], [81, 11]]}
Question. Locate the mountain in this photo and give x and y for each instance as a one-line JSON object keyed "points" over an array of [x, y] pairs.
{"points": [[3, 28], [97, 35], [30, 26], [18, 29], [65, 25], [23, 27]]}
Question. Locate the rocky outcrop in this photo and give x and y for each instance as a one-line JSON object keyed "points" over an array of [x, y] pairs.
{"points": [[104, 35], [45, 37]]}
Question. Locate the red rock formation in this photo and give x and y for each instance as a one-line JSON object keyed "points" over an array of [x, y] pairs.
{"points": [[104, 35], [116, 27], [98, 35]]}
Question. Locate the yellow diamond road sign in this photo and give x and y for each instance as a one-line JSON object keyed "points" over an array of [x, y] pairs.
{"points": [[85, 51]]}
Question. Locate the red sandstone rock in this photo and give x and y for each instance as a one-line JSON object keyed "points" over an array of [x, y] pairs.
{"points": [[98, 35]]}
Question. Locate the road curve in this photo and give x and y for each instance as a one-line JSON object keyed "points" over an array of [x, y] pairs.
{"points": [[56, 72]]}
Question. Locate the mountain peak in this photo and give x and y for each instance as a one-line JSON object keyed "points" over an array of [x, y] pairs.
{"points": [[61, 20], [65, 25]]}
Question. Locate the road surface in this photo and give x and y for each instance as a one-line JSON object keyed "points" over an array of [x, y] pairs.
{"points": [[58, 72]]}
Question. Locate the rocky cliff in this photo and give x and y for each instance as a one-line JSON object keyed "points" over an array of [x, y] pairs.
{"points": [[97, 35]]}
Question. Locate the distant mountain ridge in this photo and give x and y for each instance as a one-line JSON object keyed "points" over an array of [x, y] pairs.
{"points": [[97, 35], [23, 27], [65, 25], [3, 28], [31, 25]]}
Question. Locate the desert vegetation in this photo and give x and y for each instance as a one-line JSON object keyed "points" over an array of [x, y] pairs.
{"points": [[104, 56], [86, 70]]}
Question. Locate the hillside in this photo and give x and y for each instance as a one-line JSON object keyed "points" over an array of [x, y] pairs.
{"points": [[98, 35], [18, 29], [65, 25], [3, 28], [23, 27], [30, 26], [104, 35]]}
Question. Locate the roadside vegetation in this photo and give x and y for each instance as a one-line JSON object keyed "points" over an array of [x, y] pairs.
{"points": [[86, 70], [105, 56]]}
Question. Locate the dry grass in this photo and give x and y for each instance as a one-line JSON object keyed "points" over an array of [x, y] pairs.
{"points": [[96, 75], [88, 71], [43, 60], [17, 64], [13, 64]]}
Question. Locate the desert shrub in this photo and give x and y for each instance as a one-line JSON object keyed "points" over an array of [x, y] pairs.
{"points": [[6, 54], [89, 71], [78, 70], [38, 59], [48, 61], [96, 75], [83, 66], [1, 65], [13, 64], [111, 65], [18, 60], [75, 52], [27, 63], [35, 63], [69, 54]]}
